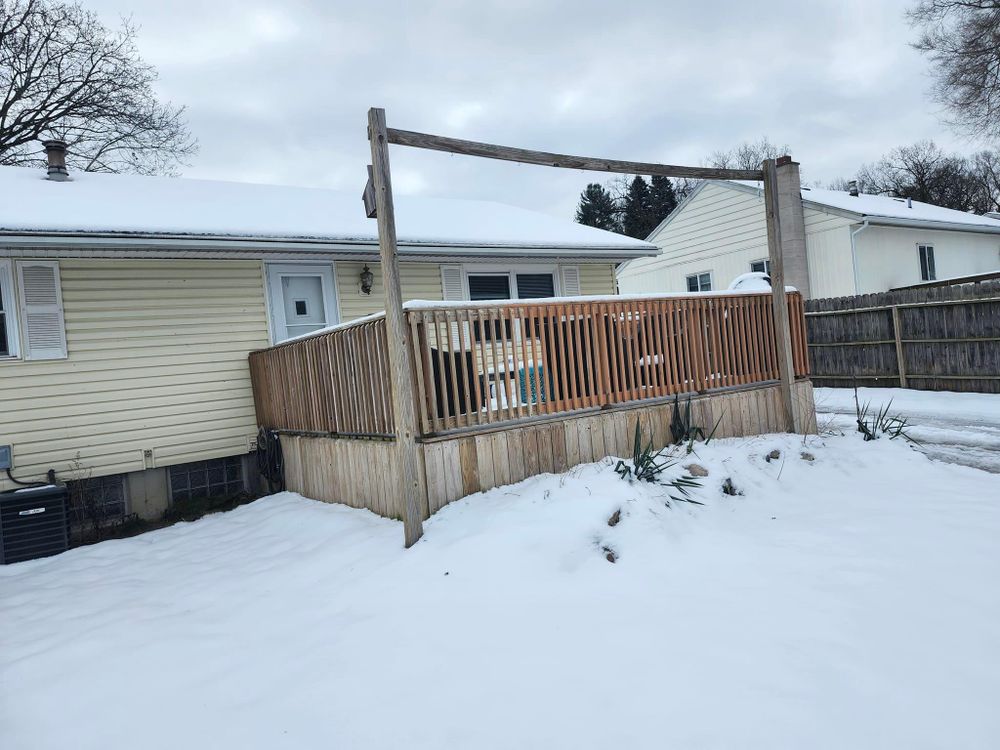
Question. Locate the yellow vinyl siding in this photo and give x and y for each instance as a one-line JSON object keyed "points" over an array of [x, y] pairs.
{"points": [[423, 281], [417, 280], [597, 278], [157, 361]]}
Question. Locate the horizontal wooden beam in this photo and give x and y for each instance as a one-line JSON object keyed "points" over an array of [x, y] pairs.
{"points": [[544, 158]]}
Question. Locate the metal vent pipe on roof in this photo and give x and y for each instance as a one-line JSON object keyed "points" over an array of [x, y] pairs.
{"points": [[852, 188], [55, 154]]}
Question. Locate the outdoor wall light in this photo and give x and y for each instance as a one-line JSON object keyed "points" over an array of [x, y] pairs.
{"points": [[367, 277]]}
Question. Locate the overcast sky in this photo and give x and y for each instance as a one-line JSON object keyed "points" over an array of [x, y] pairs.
{"points": [[278, 92]]}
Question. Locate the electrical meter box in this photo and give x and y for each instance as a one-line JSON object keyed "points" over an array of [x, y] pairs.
{"points": [[5, 458]]}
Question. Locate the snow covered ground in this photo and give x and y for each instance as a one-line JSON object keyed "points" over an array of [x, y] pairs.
{"points": [[848, 601], [960, 428]]}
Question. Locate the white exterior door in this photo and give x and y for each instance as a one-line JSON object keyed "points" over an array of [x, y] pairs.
{"points": [[303, 299]]}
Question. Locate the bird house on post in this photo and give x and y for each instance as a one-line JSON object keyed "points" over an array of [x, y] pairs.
{"points": [[368, 196]]}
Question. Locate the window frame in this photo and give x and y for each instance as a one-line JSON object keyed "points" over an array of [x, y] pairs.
{"points": [[767, 266], [697, 276], [274, 272], [511, 273], [11, 310], [925, 259]]}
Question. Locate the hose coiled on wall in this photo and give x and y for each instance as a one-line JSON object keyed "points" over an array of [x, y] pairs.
{"points": [[270, 462]]}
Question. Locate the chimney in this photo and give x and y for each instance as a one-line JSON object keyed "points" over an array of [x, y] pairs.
{"points": [[852, 188], [793, 228], [909, 202], [55, 154]]}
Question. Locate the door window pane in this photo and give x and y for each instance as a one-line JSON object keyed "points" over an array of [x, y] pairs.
{"points": [[303, 303]]}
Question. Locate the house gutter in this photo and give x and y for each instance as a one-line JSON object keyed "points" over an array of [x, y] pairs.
{"points": [[345, 248], [854, 256]]}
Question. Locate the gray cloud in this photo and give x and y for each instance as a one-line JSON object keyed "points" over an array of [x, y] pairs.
{"points": [[278, 92]]}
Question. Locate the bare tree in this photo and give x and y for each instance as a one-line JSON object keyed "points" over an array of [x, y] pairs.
{"points": [[747, 155], [962, 40], [65, 75], [926, 173]]}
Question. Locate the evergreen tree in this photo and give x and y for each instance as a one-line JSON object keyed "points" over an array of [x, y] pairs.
{"points": [[597, 209], [663, 199], [637, 214]]}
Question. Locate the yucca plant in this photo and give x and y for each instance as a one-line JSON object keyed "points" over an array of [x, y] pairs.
{"points": [[646, 467], [683, 430], [873, 424]]}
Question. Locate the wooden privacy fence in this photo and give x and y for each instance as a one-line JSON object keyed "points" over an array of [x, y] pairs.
{"points": [[942, 338], [484, 363], [334, 383]]}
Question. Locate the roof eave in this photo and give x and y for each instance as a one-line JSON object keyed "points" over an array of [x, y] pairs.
{"points": [[346, 247], [949, 226]]}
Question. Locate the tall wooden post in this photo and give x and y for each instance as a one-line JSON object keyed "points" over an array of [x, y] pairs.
{"points": [[398, 336], [779, 300]]}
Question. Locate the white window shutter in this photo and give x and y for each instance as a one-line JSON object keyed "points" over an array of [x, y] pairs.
{"points": [[570, 276], [452, 287], [41, 309]]}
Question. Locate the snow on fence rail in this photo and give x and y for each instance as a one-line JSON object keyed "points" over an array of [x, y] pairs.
{"points": [[334, 382], [501, 362]]}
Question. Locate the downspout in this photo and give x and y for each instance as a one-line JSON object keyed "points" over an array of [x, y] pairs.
{"points": [[854, 256]]}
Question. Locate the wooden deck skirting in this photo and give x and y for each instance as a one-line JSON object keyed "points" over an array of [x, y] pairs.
{"points": [[365, 474]]}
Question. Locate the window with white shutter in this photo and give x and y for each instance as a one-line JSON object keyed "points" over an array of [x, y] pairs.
{"points": [[41, 309]]}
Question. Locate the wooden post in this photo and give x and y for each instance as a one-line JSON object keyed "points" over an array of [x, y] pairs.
{"points": [[414, 487], [900, 357], [779, 300]]}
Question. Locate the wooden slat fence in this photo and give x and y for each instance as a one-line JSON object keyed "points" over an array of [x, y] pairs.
{"points": [[334, 383], [480, 364], [942, 338]]}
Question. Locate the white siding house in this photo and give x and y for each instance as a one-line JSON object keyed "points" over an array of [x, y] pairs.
{"points": [[854, 244]]}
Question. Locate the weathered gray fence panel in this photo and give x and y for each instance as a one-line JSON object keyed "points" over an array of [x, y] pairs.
{"points": [[948, 338]]}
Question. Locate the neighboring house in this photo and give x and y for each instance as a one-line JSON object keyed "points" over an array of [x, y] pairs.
{"points": [[853, 243], [128, 306]]}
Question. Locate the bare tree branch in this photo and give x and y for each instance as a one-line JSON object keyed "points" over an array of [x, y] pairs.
{"points": [[64, 74], [962, 40]]}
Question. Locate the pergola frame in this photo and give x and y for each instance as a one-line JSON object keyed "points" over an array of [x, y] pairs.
{"points": [[379, 203]]}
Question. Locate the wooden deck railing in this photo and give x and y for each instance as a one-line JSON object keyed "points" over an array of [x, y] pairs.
{"points": [[483, 363], [335, 382]]}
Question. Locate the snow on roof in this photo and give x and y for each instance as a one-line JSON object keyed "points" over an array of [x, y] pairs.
{"points": [[886, 207], [893, 208], [103, 203]]}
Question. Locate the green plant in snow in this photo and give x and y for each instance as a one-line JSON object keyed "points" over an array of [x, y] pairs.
{"points": [[873, 423], [682, 428], [646, 466]]}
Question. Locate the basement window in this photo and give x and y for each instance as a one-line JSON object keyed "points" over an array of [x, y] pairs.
{"points": [[700, 282], [927, 270], [97, 500], [218, 477]]}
